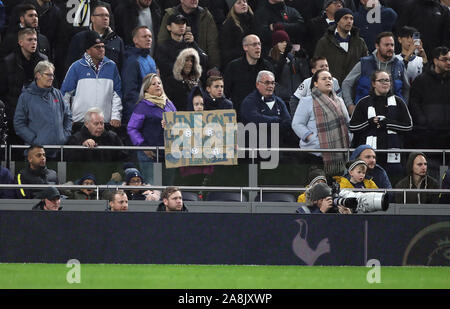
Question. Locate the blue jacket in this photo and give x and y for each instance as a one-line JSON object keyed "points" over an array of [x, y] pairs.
{"points": [[42, 117], [6, 178], [138, 64]]}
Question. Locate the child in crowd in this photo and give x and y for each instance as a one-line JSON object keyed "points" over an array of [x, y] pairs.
{"points": [[356, 176]]}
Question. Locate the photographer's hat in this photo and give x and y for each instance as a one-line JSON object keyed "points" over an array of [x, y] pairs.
{"points": [[317, 192]]}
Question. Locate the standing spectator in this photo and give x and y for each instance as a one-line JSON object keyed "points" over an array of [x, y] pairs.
{"points": [[91, 135], [168, 51], [370, 26], [202, 25], [93, 81], [290, 70], [429, 106], [50, 200], [172, 200], [27, 18], [145, 127], [446, 3], [35, 172], [100, 23], [341, 45], [240, 73], [304, 89], [238, 24], [317, 26], [321, 121], [118, 201], [262, 107], [383, 58], [186, 75], [138, 64], [42, 117], [18, 71], [276, 12], [417, 178], [213, 97], [130, 14]]}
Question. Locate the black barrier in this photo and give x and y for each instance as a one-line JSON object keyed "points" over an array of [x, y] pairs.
{"points": [[202, 238]]}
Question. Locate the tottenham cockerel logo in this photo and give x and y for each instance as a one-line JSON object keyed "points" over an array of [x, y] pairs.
{"points": [[302, 249]]}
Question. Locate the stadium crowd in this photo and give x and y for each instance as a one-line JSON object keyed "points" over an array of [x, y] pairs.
{"points": [[366, 74]]}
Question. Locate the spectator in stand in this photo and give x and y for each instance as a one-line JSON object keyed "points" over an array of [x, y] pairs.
{"points": [[446, 3], [380, 120], [202, 25], [321, 121], [91, 135], [134, 178], [413, 56], [138, 64], [145, 127], [180, 39], [240, 73], [18, 71], [355, 177], [304, 89], [130, 14], [383, 58], [290, 69], [100, 23], [186, 75], [42, 117], [50, 200], [172, 201], [317, 26], [370, 24], [213, 97], [35, 172], [310, 9], [27, 18], [118, 201], [88, 179], [417, 178], [7, 179], [276, 12], [238, 24], [341, 45], [315, 175], [93, 81]]}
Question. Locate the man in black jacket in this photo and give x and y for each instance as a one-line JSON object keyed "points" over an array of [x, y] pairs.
{"points": [[172, 201], [35, 172], [93, 134], [50, 200]]}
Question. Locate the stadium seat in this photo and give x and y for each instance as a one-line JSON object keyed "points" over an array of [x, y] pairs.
{"points": [[276, 197], [226, 196], [190, 196]]}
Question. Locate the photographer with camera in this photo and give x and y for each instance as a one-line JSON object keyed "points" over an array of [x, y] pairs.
{"points": [[319, 199]]}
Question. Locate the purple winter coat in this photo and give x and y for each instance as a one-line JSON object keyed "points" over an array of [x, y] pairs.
{"points": [[144, 127]]}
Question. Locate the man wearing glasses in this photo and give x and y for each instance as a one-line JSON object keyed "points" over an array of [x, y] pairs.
{"points": [[93, 81], [383, 58], [429, 104]]}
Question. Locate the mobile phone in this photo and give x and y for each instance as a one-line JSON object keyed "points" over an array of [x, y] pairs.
{"points": [[416, 38], [188, 29]]}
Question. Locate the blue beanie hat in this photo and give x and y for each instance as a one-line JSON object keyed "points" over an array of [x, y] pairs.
{"points": [[132, 172], [341, 13], [358, 150], [87, 176]]}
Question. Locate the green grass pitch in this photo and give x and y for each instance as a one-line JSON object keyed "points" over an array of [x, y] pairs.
{"points": [[107, 276]]}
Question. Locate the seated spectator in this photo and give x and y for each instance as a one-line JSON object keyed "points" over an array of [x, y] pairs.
{"points": [[35, 172], [413, 57], [88, 179], [180, 39], [290, 69], [145, 127], [93, 81], [42, 117], [50, 200], [186, 75], [315, 175], [417, 178], [134, 178], [374, 171], [304, 89], [203, 28], [355, 176], [370, 26], [321, 121], [118, 201], [444, 198], [18, 71], [380, 120], [7, 179], [91, 135], [319, 200], [238, 24], [100, 23], [172, 201], [138, 64]]}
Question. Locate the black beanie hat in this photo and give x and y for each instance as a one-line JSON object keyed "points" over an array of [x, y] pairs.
{"points": [[341, 13]]}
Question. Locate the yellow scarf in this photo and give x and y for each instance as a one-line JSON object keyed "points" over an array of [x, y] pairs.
{"points": [[158, 101]]}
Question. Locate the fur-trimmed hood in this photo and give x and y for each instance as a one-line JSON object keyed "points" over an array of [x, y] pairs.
{"points": [[181, 60]]}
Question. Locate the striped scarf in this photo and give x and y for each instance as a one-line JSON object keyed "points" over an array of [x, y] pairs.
{"points": [[331, 130]]}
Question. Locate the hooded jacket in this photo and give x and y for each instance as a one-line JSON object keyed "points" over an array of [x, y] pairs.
{"points": [[42, 117], [427, 182]]}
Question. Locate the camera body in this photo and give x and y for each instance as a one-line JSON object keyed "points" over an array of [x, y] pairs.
{"points": [[359, 201]]}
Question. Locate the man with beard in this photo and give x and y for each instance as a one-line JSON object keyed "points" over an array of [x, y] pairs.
{"points": [[382, 58]]}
